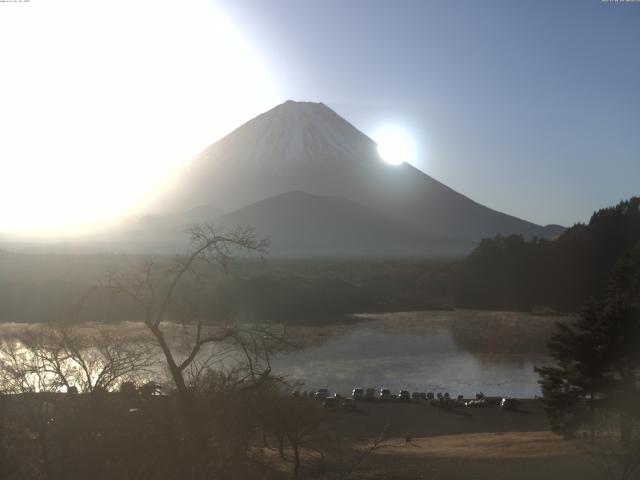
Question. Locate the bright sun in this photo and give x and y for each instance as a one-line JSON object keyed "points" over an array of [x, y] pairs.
{"points": [[102, 100], [395, 145]]}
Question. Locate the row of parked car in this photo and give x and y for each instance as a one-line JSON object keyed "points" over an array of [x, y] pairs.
{"points": [[384, 394]]}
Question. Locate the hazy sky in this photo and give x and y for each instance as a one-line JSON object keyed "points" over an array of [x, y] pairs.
{"points": [[100, 101], [529, 107]]}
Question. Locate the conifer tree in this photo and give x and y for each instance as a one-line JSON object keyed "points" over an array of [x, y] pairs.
{"points": [[598, 359]]}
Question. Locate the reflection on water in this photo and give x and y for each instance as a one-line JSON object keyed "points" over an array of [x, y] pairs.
{"points": [[461, 352], [432, 356]]}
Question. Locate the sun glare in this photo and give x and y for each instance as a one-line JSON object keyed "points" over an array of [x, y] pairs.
{"points": [[101, 100], [395, 145]]}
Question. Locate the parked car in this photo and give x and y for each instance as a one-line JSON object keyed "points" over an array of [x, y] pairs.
{"points": [[404, 396], [385, 395], [348, 404], [370, 394], [330, 402], [508, 403], [321, 393], [478, 402], [358, 393]]}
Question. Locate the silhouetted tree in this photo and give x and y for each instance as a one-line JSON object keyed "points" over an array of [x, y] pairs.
{"points": [[297, 420], [66, 428], [514, 273], [191, 343], [570, 388], [598, 360], [158, 300], [616, 460]]}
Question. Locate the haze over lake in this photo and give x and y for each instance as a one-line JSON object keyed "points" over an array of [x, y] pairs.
{"points": [[460, 352], [457, 351]]}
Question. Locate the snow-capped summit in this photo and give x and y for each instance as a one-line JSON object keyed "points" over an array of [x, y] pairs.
{"points": [[293, 146], [295, 132], [307, 147], [303, 131]]}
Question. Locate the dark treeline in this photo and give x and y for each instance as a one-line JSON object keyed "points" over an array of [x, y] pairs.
{"points": [[592, 389], [296, 292], [517, 274], [47, 288], [506, 273]]}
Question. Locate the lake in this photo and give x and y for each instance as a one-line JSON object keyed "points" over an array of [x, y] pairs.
{"points": [[457, 351], [460, 352]]}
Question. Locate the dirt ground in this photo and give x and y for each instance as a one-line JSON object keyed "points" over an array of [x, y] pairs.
{"points": [[513, 455], [420, 419], [462, 443]]}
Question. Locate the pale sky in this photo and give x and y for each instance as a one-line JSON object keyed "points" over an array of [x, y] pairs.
{"points": [[528, 107], [100, 100]]}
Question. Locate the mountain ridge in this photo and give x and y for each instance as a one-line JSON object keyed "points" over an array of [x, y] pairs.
{"points": [[308, 147], [300, 224]]}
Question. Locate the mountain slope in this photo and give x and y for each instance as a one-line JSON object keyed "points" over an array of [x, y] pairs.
{"points": [[298, 223], [302, 146]]}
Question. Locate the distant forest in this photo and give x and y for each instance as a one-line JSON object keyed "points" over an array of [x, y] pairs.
{"points": [[512, 273], [502, 273], [49, 288]]}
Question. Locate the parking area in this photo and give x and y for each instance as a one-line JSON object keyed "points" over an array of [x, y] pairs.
{"points": [[422, 418]]}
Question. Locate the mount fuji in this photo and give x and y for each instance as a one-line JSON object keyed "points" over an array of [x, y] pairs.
{"points": [[308, 178]]}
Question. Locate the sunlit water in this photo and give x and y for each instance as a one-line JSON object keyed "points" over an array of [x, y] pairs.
{"points": [[373, 354], [460, 352]]}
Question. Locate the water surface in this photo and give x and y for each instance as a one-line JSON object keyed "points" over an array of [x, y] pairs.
{"points": [[460, 352]]}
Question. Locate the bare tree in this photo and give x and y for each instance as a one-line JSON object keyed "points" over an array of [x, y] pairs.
{"points": [[88, 361], [156, 290], [38, 367], [345, 458], [21, 373], [293, 419], [303, 425]]}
